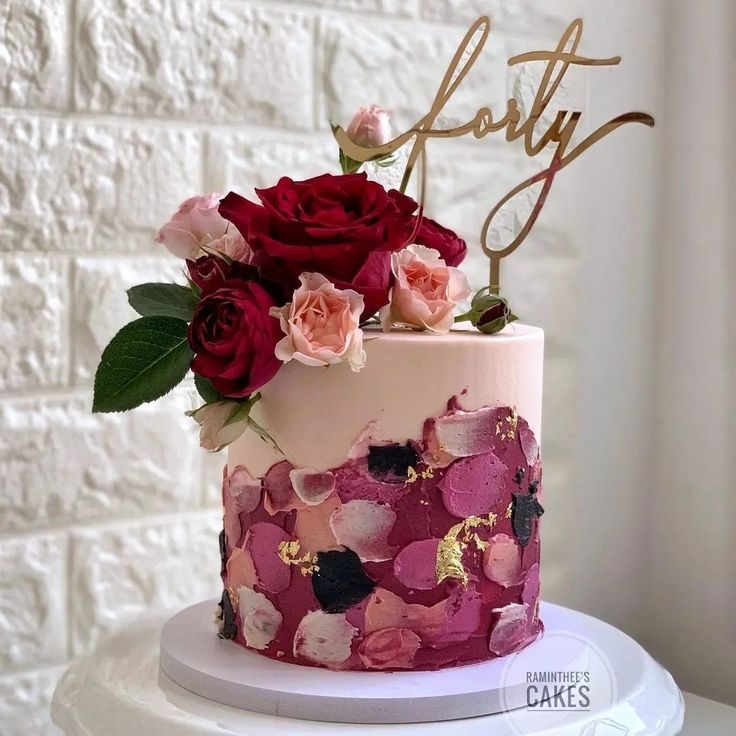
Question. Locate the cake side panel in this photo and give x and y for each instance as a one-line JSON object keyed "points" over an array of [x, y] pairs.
{"points": [[316, 414], [415, 551]]}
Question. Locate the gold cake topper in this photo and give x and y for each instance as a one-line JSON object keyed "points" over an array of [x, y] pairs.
{"points": [[559, 132]]}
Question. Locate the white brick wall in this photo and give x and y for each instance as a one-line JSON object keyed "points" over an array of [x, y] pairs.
{"points": [[110, 114]]}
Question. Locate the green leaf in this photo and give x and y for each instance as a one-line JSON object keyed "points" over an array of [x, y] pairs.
{"points": [[206, 390], [242, 411], [163, 300], [144, 361], [264, 435]]}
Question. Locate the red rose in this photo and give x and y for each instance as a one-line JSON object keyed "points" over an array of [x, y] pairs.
{"points": [[451, 246], [210, 272], [344, 227], [234, 337]]}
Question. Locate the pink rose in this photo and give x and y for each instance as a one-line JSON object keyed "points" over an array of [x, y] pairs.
{"points": [[425, 291], [370, 127], [322, 325], [197, 222]]}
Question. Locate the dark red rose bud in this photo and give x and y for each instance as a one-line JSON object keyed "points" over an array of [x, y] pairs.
{"points": [[344, 227], [497, 311], [234, 337], [489, 312], [212, 271]]}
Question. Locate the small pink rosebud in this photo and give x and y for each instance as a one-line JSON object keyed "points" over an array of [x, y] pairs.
{"points": [[370, 127]]}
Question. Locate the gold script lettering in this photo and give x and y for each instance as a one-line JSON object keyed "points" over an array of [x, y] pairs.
{"points": [[559, 133]]}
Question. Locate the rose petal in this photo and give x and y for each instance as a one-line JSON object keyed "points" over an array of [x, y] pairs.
{"points": [[416, 565], [389, 649], [311, 486], [279, 492], [324, 638], [262, 541], [510, 631], [259, 617], [502, 560], [364, 526], [473, 486]]}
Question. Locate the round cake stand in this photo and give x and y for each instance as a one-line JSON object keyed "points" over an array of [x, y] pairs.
{"points": [[120, 690]]}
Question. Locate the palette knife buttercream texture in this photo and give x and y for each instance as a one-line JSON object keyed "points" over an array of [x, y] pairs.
{"points": [[399, 528]]}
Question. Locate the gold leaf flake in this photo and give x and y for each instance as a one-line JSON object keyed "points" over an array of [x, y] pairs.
{"points": [[455, 542], [509, 511], [411, 475], [288, 552]]}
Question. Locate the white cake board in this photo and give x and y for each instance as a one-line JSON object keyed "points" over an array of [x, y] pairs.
{"points": [[195, 659]]}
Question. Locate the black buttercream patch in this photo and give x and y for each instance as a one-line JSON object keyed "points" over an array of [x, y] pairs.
{"points": [[223, 553], [526, 508], [391, 463], [340, 581], [229, 629]]}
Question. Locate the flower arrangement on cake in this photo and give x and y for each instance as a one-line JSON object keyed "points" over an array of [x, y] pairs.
{"points": [[294, 276]]}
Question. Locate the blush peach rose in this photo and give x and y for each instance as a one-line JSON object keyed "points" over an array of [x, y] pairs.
{"points": [[198, 223], [321, 324], [425, 292]]}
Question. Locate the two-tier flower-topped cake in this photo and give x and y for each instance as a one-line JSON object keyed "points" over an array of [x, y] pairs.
{"points": [[381, 495]]}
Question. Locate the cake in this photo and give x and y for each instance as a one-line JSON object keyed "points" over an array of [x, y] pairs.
{"points": [[397, 528]]}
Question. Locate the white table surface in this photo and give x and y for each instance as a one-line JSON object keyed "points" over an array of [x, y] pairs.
{"points": [[707, 718]]}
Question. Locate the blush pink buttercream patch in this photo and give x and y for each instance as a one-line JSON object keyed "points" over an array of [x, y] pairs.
{"points": [[530, 591], [364, 526], [262, 542], [311, 486], [240, 569], [324, 638], [312, 526], [279, 492], [259, 617], [416, 565], [244, 489], [386, 610], [473, 486], [463, 610], [459, 434], [511, 629], [389, 649], [502, 560], [529, 445]]}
